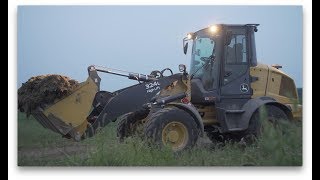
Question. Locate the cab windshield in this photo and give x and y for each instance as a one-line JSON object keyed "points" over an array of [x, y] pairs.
{"points": [[203, 49]]}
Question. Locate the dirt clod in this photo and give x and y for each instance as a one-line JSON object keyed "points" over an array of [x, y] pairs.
{"points": [[43, 90]]}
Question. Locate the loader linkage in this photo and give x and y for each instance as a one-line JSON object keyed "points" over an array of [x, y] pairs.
{"points": [[88, 109]]}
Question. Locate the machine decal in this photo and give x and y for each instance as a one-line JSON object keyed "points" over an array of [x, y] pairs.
{"points": [[154, 86], [209, 98], [244, 87]]}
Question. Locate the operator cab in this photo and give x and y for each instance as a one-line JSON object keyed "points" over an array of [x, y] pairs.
{"points": [[221, 56]]}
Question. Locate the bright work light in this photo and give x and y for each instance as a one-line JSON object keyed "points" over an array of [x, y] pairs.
{"points": [[213, 29]]}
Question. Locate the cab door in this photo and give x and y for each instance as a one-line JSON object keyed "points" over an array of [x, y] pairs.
{"points": [[234, 90], [235, 77]]}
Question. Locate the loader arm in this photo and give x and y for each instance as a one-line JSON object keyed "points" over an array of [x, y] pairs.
{"points": [[87, 109], [130, 99]]}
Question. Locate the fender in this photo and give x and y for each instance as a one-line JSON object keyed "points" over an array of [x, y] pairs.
{"points": [[254, 104], [193, 112]]}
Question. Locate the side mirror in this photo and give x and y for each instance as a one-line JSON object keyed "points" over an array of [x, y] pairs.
{"points": [[185, 47], [228, 38]]}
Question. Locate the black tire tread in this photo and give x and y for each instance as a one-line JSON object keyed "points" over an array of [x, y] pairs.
{"points": [[255, 121], [124, 125], [155, 123]]}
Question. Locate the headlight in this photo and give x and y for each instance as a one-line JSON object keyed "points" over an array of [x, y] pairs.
{"points": [[190, 36]]}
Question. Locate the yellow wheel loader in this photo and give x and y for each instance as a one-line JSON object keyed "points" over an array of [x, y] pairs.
{"points": [[221, 95]]}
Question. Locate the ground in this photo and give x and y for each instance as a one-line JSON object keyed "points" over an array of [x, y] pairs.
{"points": [[38, 146]]}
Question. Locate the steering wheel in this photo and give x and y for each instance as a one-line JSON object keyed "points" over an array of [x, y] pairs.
{"points": [[156, 74], [166, 69], [205, 59]]}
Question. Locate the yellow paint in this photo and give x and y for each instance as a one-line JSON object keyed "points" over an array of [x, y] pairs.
{"points": [[82, 127], [296, 111], [74, 109], [274, 82], [187, 83], [175, 135], [209, 116], [259, 87], [176, 87], [273, 87], [269, 83]]}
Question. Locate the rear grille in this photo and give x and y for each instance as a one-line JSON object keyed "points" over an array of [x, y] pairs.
{"points": [[287, 88]]}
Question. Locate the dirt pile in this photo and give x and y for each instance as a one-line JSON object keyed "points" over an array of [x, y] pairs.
{"points": [[43, 90]]}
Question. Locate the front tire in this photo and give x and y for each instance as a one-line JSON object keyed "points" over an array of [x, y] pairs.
{"points": [[172, 127]]}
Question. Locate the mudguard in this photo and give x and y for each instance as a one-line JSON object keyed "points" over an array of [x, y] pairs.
{"points": [[254, 104]]}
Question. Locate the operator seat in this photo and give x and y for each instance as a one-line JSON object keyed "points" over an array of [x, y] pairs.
{"points": [[231, 55], [238, 53]]}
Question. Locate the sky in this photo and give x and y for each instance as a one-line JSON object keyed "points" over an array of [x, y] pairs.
{"points": [[67, 39]]}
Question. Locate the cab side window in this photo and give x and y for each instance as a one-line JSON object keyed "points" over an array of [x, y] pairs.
{"points": [[236, 62]]}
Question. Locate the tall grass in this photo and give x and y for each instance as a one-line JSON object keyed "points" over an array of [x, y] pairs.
{"points": [[275, 147]]}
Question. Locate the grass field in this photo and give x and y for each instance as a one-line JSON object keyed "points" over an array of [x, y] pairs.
{"points": [[41, 147]]}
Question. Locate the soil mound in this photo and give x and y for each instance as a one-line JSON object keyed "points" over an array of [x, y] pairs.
{"points": [[43, 90]]}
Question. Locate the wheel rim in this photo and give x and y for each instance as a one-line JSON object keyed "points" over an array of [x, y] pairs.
{"points": [[175, 135]]}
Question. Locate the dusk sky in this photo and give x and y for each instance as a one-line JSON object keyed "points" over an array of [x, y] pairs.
{"points": [[67, 39]]}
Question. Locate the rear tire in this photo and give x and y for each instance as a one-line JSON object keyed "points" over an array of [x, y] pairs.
{"points": [[172, 127], [271, 113]]}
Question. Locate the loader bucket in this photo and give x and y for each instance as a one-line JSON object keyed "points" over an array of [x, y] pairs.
{"points": [[68, 116]]}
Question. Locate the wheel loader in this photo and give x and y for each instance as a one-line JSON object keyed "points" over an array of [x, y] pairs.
{"points": [[221, 95]]}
